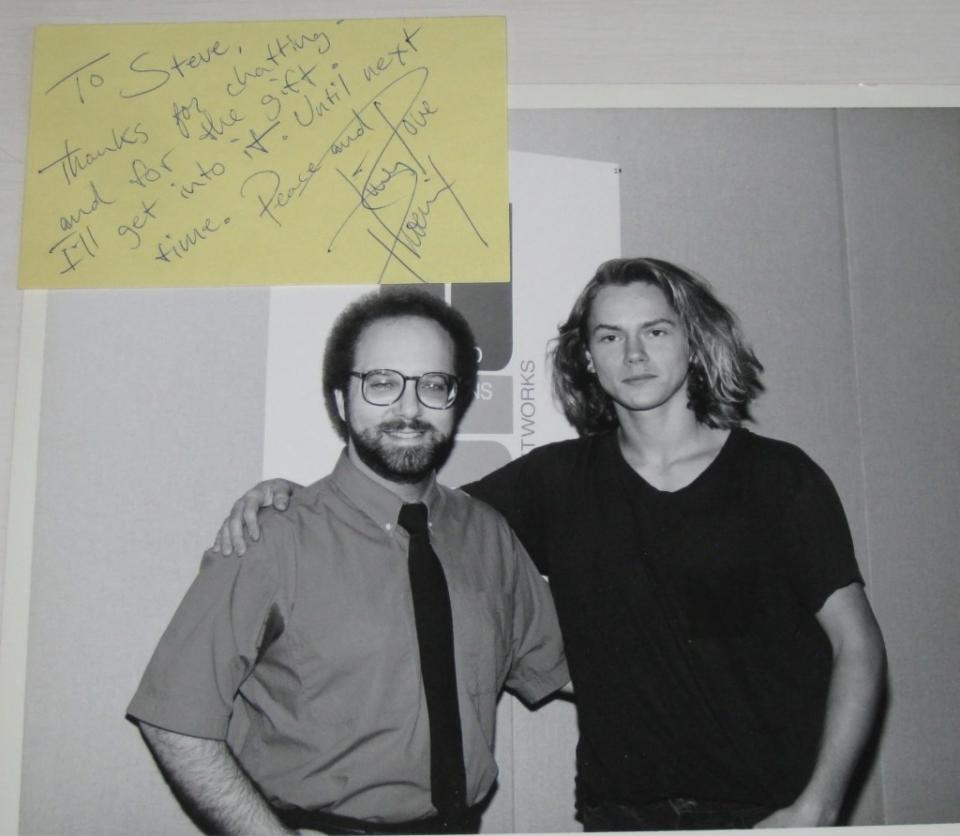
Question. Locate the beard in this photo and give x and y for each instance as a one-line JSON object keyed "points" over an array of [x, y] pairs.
{"points": [[401, 463]]}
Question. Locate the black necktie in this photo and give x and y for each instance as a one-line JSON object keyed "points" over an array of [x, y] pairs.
{"points": [[431, 608]]}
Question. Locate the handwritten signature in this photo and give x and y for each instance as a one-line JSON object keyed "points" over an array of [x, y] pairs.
{"points": [[387, 181]]}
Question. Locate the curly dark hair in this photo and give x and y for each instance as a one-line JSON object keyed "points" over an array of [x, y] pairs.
{"points": [[724, 373], [394, 303]]}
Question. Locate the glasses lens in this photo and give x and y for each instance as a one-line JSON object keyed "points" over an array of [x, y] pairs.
{"points": [[436, 390], [382, 387]]}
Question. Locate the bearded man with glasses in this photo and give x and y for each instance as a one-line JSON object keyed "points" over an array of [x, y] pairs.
{"points": [[377, 446], [355, 655]]}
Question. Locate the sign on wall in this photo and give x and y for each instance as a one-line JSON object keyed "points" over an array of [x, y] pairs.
{"points": [[295, 152]]}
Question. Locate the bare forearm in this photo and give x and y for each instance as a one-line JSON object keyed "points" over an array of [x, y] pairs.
{"points": [[853, 700], [208, 775]]}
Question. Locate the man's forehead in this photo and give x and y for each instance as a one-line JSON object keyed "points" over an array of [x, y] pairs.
{"points": [[414, 326], [633, 304], [406, 336]]}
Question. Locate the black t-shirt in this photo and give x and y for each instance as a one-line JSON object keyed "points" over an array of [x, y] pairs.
{"points": [[688, 616]]}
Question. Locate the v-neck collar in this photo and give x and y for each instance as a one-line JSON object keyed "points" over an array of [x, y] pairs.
{"points": [[704, 477]]}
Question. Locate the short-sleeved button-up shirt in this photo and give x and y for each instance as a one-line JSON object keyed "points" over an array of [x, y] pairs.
{"points": [[305, 650]]}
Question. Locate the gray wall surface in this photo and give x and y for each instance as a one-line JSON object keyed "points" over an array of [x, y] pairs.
{"points": [[901, 176], [150, 398]]}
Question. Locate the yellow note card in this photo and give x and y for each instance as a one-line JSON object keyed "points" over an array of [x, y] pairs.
{"points": [[295, 152]]}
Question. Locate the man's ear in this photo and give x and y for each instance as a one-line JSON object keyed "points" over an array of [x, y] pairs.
{"points": [[589, 359], [341, 404]]}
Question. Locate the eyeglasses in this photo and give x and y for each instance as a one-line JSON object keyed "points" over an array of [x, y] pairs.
{"points": [[382, 387]]}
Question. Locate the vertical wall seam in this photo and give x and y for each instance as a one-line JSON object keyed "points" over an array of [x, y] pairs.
{"points": [[15, 625], [846, 259]]}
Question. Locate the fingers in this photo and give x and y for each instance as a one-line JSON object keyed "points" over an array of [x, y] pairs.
{"points": [[251, 506], [222, 544], [277, 493], [243, 522], [234, 529]]}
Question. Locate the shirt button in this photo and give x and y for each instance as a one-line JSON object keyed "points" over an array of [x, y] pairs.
{"points": [[388, 526]]}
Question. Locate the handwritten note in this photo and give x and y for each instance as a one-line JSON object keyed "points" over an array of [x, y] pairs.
{"points": [[296, 152]]}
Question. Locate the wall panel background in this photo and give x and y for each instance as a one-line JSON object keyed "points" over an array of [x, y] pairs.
{"points": [[901, 179]]}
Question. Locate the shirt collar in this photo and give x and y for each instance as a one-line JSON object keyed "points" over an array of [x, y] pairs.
{"points": [[373, 499]]}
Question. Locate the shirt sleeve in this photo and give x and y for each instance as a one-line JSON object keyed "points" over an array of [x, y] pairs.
{"points": [[210, 645], [514, 490], [821, 557], [539, 666]]}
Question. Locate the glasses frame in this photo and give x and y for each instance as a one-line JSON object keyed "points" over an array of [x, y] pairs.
{"points": [[454, 386]]}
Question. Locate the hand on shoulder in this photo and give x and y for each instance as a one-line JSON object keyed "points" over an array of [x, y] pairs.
{"points": [[242, 524]]}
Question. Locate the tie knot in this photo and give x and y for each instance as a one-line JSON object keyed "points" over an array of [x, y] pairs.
{"points": [[413, 518]]}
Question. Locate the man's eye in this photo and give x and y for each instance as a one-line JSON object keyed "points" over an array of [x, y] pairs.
{"points": [[381, 383]]}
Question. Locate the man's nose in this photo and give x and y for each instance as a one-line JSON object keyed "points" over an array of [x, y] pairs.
{"points": [[409, 405], [636, 351]]}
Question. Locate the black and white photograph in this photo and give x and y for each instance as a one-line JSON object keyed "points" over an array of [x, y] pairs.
{"points": [[658, 535]]}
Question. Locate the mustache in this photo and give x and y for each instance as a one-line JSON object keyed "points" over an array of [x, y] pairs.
{"points": [[399, 424]]}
